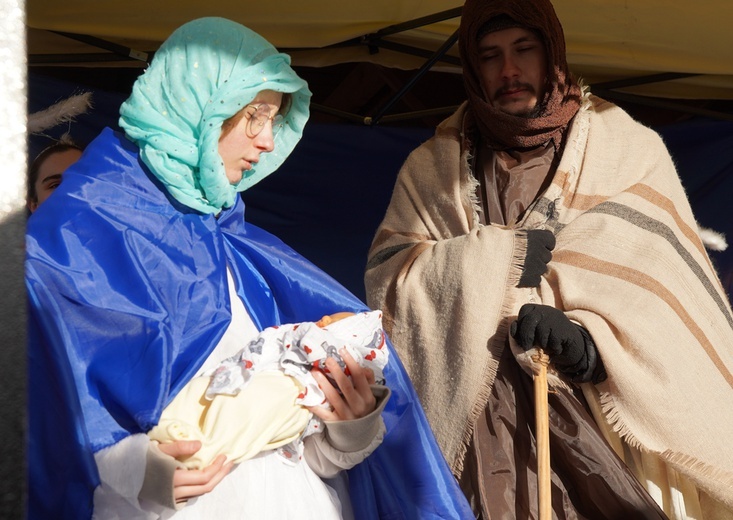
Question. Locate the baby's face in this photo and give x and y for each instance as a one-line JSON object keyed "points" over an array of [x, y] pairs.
{"points": [[333, 318]]}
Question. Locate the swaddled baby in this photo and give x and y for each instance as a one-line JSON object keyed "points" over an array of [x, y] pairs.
{"points": [[256, 400]]}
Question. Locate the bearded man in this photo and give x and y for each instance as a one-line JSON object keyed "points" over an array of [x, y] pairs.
{"points": [[541, 215]]}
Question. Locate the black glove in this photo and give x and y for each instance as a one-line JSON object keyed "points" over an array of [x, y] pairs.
{"points": [[540, 243], [570, 347]]}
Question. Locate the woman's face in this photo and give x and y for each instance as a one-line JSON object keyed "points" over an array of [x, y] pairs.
{"points": [[49, 175], [239, 147]]}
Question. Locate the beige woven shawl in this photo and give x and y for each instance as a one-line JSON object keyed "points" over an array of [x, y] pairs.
{"points": [[628, 266]]}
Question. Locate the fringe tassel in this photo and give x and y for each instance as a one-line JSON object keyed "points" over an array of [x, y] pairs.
{"points": [[608, 407], [689, 466], [518, 258], [495, 347], [696, 467]]}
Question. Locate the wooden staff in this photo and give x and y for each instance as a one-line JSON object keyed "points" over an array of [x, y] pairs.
{"points": [[542, 425]]}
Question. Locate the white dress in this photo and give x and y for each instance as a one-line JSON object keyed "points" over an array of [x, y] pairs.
{"points": [[259, 488]]}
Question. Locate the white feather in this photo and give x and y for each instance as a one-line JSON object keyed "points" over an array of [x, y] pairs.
{"points": [[63, 111], [713, 240]]}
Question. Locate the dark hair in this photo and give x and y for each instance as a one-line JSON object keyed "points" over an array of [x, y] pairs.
{"points": [[35, 166], [286, 103]]}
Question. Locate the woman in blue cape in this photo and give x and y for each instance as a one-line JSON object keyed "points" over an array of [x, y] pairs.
{"points": [[142, 271]]}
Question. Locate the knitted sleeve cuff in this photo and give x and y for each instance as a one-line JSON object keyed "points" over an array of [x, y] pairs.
{"points": [[345, 444], [357, 434], [158, 483]]}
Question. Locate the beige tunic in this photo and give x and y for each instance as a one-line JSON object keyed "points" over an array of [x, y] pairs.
{"points": [[511, 180]]}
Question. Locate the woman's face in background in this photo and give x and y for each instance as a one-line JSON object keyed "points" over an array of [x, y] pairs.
{"points": [[49, 174], [248, 134]]}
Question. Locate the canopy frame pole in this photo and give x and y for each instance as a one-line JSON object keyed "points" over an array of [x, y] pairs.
{"points": [[416, 23], [419, 74], [120, 50], [375, 41], [661, 103], [643, 80]]}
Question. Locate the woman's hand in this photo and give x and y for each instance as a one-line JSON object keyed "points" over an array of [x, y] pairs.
{"points": [[356, 399], [190, 483]]}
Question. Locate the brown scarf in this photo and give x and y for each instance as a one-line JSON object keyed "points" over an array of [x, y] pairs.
{"points": [[562, 99]]}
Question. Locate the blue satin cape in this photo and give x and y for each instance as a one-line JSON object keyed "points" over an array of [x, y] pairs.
{"points": [[128, 296]]}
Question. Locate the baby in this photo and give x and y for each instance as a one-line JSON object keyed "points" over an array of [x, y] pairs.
{"points": [[257, 399]]}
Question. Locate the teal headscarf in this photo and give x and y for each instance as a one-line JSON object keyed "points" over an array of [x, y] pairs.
{"points": [[203, 74]]}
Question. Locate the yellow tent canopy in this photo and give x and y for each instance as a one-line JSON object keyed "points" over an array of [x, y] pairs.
{"points": [[625, 45]]}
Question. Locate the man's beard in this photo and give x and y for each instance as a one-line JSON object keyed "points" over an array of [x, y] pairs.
{"points": [[531, 113], [534, 112]]}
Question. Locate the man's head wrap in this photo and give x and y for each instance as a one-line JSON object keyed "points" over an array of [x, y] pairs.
{"points": [[562, 94], [204, 73]]}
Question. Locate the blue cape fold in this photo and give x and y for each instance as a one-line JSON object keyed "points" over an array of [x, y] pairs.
{"points": [[128, 296]]}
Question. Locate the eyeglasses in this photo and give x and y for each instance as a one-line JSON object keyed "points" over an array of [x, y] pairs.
{"points": [[259, 117]]}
